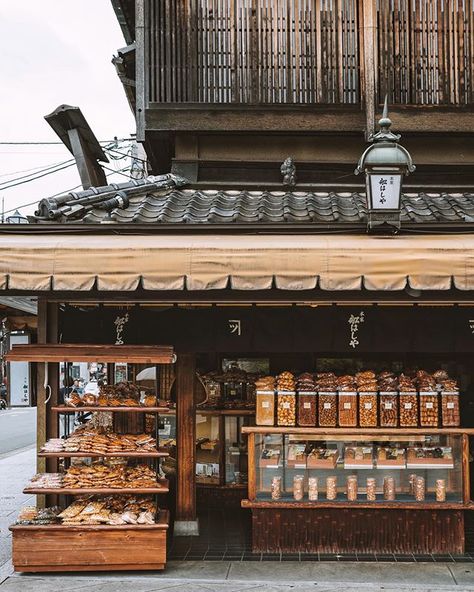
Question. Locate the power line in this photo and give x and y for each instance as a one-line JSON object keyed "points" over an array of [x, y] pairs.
{"points": [[118, 152], [36, 143], [55, 195], [3, 188], [38, 168], [41, 170]]}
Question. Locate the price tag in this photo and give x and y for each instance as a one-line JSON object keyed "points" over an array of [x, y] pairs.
{"points": [[367, 405], [450, 405], [408, 405], [388, 405], [285, 405], [347, 405], [429, 405], [265, 405], [327, 405], [306, 405]]}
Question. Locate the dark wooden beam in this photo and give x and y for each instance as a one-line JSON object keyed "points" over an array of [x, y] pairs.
{"points": [[368, 9], [228, 118], [186, 445]]}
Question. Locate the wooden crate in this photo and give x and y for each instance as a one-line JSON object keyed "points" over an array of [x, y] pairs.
{"points": [[90, 548]]}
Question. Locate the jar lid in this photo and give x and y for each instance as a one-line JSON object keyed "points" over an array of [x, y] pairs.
{"points": [[450, 393], [265, 393], [303, 393], [334, 393], [350, 393], [391, 393], [286, 392]]}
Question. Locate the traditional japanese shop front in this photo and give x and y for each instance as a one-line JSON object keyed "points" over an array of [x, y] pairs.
{"points": [[328, 372]]}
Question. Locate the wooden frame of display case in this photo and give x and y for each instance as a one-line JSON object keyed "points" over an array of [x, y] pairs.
{"points": [[359, 526], [57, 547]]}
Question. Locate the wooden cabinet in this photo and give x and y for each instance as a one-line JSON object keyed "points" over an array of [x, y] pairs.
{"points": [[335, 523]]}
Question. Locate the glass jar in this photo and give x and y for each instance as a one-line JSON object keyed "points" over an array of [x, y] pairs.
{"points": [[388, 403], [265, 408], [371, 489], [450, 416], [298, 487], [276, 488], [411, 483], [368, 410], [327, 412], [331, 488], [420, 489], [313, 489], [306, 409], [389, 488], [408, 403], [440, 490], [286, 408], [429, 409], [352, 488], [347, 409]]}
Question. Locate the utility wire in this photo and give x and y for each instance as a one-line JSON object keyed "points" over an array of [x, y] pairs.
{"points": [[33, 143], [118, 152], [55, 195], [37, 169], [38, 172], [4, 187]]}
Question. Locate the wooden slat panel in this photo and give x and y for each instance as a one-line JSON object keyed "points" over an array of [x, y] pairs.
{"points": [[253, 51], [364, 531], [425, 50]]}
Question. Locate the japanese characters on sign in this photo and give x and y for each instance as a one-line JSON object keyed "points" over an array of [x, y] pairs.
{"points": [[235, 326], [354, 322], [385, 191], [120, 323]]}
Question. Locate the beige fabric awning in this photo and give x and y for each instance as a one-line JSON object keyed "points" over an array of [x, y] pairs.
{"points": [[35, 262]]}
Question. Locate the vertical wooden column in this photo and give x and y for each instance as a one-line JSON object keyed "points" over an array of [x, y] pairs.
{"points": [[46, 424], [369, 61], [186, 519]]}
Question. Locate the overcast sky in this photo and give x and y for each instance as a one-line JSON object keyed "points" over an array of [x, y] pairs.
{"points": [[55, 52]]}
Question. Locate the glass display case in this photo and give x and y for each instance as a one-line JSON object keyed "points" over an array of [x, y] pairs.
{"points": [[221, 448], [371, 468]]}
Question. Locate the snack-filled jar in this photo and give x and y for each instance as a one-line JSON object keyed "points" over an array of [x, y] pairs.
{"points": [[347, 409], [408, 409], [265, 408], [388, 409], [298, 487], [307, 409], [450, 416], [327, 412], [368, 410], [429, 409], [286, 408]]}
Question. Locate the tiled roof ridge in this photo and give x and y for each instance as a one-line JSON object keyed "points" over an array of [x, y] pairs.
{"points": [[166, 200]]}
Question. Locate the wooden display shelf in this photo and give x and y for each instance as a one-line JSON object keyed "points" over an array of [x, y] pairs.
{"points": [[377, 505], [374, 432], [137, 409], [133, 354], [163, 488], [161, 453], [61, 548], [226, 412]]}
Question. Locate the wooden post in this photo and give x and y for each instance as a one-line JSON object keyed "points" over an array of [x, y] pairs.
{"points": [[46, 425], [186, 519], [368, 11]]}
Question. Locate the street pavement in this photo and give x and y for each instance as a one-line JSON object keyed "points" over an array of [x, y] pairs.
{"points": [[17, 429], [218, 576]]}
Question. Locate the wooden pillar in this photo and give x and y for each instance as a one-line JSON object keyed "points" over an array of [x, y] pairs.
{"points": [[46, 424], [369, 60], [186, 518]]}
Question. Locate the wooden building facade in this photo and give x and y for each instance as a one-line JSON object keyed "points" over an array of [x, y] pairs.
{"points": [[225, 90]]}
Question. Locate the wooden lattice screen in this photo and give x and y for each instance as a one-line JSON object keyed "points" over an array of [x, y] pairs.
{"points": [[426, 51], [253, 51]]}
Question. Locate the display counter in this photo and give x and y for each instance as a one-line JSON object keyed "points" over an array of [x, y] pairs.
{"points": [[389, 490]]}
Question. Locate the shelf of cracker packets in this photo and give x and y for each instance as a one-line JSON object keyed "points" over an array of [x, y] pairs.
{"points": [[365, 399], [95, 510]]}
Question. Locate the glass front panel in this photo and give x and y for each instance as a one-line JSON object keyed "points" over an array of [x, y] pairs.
{"points": [[380, 468], [208, 449]]}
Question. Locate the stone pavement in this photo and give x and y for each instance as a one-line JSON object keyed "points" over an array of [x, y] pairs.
{"points": [[201, 576], [219, 576]]}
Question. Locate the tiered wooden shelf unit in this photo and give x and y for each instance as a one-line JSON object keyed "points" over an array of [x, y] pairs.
{"points": [[57, 547]]}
